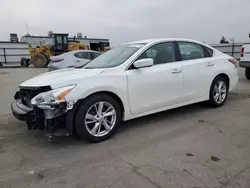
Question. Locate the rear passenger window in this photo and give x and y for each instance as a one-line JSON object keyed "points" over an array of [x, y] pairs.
{"points": [[209, 52], [82, 55], [191, 51], [94, 55]]}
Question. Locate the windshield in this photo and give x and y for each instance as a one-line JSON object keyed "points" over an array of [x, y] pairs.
{"points": [[114, 57]]}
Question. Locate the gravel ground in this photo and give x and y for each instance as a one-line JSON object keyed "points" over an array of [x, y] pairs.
{"points": [[191, 147]]}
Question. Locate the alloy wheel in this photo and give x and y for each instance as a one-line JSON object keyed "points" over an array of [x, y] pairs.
{"points": [[220, 92], [100, 119]]}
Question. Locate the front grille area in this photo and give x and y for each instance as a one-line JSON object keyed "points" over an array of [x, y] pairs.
{"points": [[26, 94], [36, 119]]}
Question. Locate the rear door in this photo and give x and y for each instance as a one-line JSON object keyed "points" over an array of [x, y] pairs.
{"points": [[198, 70]]}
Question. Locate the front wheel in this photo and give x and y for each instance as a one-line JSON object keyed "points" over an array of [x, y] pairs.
{"points": [[247, 73], [39, 60], [218, 91], [97, 118]]}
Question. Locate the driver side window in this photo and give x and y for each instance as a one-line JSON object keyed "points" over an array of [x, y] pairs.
{"points": [[160, 53]]}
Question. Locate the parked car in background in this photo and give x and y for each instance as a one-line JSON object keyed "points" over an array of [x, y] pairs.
{"points": [[77, 58], [245, 59], [126, 82]]}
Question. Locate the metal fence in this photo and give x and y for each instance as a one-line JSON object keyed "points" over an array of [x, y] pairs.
{"points": [[232, 49], [13, 55]]}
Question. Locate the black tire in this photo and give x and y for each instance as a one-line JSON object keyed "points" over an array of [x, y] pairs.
{"points": [[27, 61], [80, 126], [23, 62], [212, 102], [247, 73], [43, 60]]}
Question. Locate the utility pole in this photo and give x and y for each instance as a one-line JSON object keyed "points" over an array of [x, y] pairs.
{"points": [[27, 29], [232, 41]]}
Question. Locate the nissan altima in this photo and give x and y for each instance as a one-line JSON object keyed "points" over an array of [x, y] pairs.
{"points": [[126, 82]]}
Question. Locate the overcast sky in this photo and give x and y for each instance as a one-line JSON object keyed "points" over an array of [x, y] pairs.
{"points": [[128, 20]]}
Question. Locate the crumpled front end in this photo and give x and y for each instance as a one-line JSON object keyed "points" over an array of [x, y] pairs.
{"points": [[44, 109]]}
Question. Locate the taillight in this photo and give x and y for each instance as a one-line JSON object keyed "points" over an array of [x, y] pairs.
{"points": [[242, 52], [56, 60], [233, 61]]}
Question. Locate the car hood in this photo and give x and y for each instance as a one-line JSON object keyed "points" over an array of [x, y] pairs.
{"points": [[61, 78]]}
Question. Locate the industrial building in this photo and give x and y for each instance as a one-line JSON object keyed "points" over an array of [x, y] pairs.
{"points": [[93, 43], [13, 50]]}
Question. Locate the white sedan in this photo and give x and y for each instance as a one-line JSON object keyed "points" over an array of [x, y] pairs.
{"points": [[129, 81], [76, 58]]}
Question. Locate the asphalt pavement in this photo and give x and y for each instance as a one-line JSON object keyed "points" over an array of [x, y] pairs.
{"points": [[190, 147]]}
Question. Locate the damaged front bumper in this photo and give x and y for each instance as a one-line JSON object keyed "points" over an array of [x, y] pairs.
{"points": [[21, 112], [56, 118]]}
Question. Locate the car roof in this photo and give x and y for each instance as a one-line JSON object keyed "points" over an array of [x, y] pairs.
{"points": [[164, 39], [157, 40], [75, 51]]}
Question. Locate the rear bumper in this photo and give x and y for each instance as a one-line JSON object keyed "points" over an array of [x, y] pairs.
{"points": [[244, 64], [233, 82]]}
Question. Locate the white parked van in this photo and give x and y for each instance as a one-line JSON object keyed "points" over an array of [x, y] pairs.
{"points": [[245, 59]]}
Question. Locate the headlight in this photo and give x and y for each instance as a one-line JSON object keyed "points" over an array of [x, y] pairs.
{"points": [[53, 96]]}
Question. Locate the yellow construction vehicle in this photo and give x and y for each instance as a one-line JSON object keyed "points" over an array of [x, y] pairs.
{"points": [[106, 49], [40, 56]]}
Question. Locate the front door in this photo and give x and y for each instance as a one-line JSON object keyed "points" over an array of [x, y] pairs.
{"points": [[155, 87]]}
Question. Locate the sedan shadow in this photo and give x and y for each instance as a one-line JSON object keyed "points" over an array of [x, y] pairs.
{"points": [[128, 126], [172, 114]]}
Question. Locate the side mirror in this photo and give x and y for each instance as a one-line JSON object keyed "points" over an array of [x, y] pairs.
{"points": [[148, 62]]}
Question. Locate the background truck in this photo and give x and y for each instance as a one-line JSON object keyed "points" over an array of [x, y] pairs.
{"points": [[245, 59]]}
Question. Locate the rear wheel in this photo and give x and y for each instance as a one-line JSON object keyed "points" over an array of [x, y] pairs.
{"points": [[98, 118], [218, 91], [39, 60], [247, 73]]}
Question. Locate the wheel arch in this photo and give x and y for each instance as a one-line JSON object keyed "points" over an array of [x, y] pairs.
{"points": [[111, 94], [224, 76], [72, 114], [211, 100]]}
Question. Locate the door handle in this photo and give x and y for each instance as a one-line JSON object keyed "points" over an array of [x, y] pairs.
{"points": [[210, 64], [176, 71]]}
